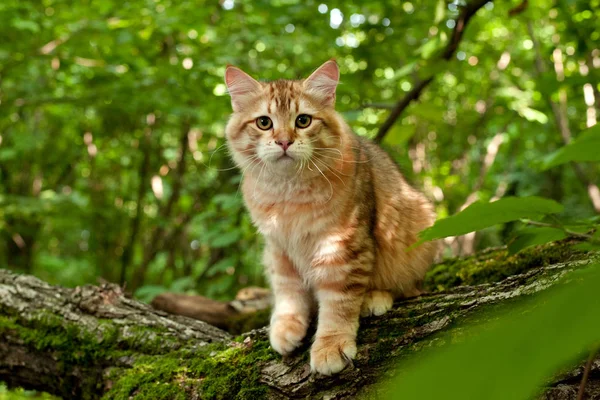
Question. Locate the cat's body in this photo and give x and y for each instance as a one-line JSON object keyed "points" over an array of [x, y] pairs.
{"points": [[335, 211]]}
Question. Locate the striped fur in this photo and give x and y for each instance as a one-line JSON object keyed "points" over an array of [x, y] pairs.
{"points": [[337, 215]]}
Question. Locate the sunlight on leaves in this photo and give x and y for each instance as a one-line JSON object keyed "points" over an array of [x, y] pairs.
{"points": [[483, 215]]}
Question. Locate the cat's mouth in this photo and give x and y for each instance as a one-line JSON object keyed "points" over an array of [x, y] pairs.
{"points": [[285, 156]]}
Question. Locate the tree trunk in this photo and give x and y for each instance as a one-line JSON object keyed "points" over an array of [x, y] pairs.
{"points": [[94, 342]]}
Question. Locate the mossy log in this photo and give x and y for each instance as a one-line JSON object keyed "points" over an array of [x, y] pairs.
{"points": [[94, 342]]}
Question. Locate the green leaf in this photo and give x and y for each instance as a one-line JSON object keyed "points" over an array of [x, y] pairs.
{"points": [[533, 115], [587, 246], [440, 11], [516, 353], [428, 49], [225, 239], [221, 266], [148, 292], [584, 148], [25, 25], [182, 284], [534, 236], [429, 111], [405, 70], [400, 134], [482, 215]]}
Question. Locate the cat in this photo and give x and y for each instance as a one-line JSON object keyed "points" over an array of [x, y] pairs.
{"points": [[336, 214]]}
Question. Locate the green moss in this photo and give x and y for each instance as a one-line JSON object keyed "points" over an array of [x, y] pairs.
{"points": [[495, 265], [22, 394], [70, 343], [216, 371], [150, 340], [151, 377], [235, 372], [381, 351], [70, 346]]}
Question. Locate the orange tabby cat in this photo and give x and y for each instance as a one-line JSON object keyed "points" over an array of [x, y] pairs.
{"points": [[336, 214]]}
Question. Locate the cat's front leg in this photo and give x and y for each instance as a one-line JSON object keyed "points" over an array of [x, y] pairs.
{"points": [[292, 303], [340, 296]]}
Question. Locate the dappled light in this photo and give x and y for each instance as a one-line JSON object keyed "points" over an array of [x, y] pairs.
{"points": [[117, 115], [115, 167]]}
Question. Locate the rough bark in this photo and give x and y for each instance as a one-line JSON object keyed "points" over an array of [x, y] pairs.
{"points": [[92, 342]]}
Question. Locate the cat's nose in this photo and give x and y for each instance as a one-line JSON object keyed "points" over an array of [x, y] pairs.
{"points": [[284, 143]]}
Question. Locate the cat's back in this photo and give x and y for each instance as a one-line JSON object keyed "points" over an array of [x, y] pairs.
{"points": [[399, 206], [382, 166]]}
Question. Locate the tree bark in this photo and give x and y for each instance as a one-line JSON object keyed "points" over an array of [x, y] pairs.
{"points": [[93, 342]]}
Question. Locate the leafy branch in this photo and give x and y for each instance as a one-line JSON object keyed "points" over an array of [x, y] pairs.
{"points": [[481, 215], [467, 12], [564, 229]]}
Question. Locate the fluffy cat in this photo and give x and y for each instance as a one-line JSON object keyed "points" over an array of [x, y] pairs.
{"points": [[336, 214]]}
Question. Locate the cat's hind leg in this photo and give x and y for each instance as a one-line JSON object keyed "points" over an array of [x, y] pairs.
{"points": [[376, 302]]}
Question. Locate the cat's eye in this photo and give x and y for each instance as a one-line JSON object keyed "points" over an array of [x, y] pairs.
{"points": [[264, 123], [303, 121]]}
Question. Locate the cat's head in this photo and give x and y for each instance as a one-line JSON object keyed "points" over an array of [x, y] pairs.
{"points": [[284, 124]]}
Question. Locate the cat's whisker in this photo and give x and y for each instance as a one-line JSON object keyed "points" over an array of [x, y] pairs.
{"points": [[222, 169], [254, 157], [252, 164], [328, 181], [342, 160], [300, 168], [332, 171], [213, 153], [258, 180], [327, 149]]}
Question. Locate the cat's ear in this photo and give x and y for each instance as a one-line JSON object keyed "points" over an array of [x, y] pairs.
{"points": [[323, 81], [241, 86]]}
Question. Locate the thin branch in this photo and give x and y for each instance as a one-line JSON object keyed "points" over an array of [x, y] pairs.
{"points": [[166, 211], [562, 228], [586, 374], [461, 23], [144, 171]]}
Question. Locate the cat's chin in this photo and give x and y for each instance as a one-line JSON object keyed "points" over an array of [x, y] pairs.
{"points": [[285, 165], [285, 159]]}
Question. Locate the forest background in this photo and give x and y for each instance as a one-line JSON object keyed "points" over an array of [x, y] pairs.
{"points": [[112, 158]]}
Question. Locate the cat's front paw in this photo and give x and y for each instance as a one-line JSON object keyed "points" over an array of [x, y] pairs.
{"points": [[331, 354], [286, 333]]}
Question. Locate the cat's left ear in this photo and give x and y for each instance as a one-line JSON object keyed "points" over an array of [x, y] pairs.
{"points": [[242, 87], [323, 82]]}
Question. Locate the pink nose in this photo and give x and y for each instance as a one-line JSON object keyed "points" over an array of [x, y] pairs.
{"points": [[284, 143]]}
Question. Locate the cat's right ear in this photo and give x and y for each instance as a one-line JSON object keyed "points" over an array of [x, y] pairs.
{"points": [[241, 86], [323, 82]]}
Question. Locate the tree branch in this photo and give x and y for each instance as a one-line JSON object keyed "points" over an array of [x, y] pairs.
{"points": [[166, 211], [457, 34], [127, 257], [586, 374], [91, 342], [568, 232]]}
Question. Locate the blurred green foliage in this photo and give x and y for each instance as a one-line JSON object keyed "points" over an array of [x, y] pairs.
{"points": [[21, 394], [516, 353], [112, 162]]}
